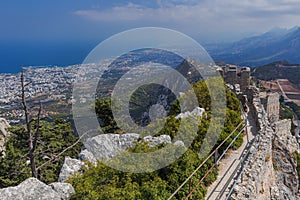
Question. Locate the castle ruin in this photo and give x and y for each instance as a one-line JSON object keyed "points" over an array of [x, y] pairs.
{"points": [[271, 105], [239, 77]]}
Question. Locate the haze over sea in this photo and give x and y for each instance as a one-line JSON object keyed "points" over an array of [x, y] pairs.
{"points": [[15, 54]]}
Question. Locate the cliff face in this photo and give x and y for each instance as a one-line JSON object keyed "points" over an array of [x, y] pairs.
{"points": [[271, 169]]}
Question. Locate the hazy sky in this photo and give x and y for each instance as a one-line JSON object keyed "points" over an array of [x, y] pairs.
{"points": [[86, 20]]}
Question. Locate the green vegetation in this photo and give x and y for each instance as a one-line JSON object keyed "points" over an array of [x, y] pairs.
{"points": [[297, 156], [103, 109], [53, 138], [102, 182], [287, 113], [295, 108]]}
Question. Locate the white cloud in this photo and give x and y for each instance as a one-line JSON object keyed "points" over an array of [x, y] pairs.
{"points": [[236, 16]]}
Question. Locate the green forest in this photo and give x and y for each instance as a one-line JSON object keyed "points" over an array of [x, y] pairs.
{"points": [[103, 182]]}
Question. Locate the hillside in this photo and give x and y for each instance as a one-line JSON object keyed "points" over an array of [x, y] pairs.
{"points": [[278, 70], [277, 44]]}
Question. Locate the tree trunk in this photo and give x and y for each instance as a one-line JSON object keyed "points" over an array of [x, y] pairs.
{"points": [[31, 147]]}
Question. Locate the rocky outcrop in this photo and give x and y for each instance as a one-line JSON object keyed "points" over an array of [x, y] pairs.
{"points": [[4, 134], [155, 141], [33, 189], [197, 112], [106, 146], [65, 190], [70, 167], [86, 155]]}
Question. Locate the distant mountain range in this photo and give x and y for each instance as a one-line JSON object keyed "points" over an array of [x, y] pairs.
{"points": [[277, 44]]}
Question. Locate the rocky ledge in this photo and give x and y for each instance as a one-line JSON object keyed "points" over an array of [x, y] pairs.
{"points": [[106, 146], [4, 134], [33, 189]]}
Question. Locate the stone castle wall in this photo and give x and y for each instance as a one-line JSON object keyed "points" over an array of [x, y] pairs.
{"points": [[270, 171], [273, 107], [236, 75]]}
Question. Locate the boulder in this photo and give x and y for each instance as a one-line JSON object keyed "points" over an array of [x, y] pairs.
{"points": [[70, 167], [106, 146], [154, 141], [4, 134], [197, 112], [33, 189], [86, 155], [65, 190]]}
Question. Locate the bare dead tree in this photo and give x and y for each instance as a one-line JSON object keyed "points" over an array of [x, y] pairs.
{"points": [[32, 135]]}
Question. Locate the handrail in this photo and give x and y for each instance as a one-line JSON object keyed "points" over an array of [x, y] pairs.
{"points": [[214, 165], [210, 155]]}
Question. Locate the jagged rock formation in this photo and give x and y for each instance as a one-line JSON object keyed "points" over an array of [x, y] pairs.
{"points": [[155, 141], [106, 146], [70, 167], [34, 189], [197, 112], [4, 134], [270, 171]]}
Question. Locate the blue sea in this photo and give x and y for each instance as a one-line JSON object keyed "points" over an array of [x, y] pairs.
{"points": [[15, 54]]}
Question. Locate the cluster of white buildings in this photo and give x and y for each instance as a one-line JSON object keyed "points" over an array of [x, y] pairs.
{"points": [[46, 84], [43, 81]]}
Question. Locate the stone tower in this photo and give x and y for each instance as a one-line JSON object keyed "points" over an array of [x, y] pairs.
{"points": [[272, 107], [231, 75], [245, 78]]}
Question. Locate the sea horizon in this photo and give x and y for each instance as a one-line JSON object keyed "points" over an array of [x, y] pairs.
{"points": [[17, 54]]}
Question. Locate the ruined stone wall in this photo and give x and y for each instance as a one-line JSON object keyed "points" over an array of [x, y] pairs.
{"points": [[235, 75], [270, 171], [273, 107], [282, 132], [244, 79]]}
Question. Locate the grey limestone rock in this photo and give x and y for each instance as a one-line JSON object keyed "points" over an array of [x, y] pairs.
{"points": [[33, 189], [154, 141], [4, 134], [65, 190], [70, 167]]}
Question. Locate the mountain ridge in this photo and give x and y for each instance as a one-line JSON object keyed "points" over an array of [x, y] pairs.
{"points": [[276, 44]]}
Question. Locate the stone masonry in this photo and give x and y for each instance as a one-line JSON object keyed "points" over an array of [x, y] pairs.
{"points": [[235, 75], [272, 106], [270, 171]]}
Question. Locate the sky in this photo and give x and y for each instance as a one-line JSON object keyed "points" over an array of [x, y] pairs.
{"points": [[40, 27]]}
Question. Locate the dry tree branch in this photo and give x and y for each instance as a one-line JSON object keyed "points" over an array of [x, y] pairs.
{"points": [[27, 121], [58, 155]]}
